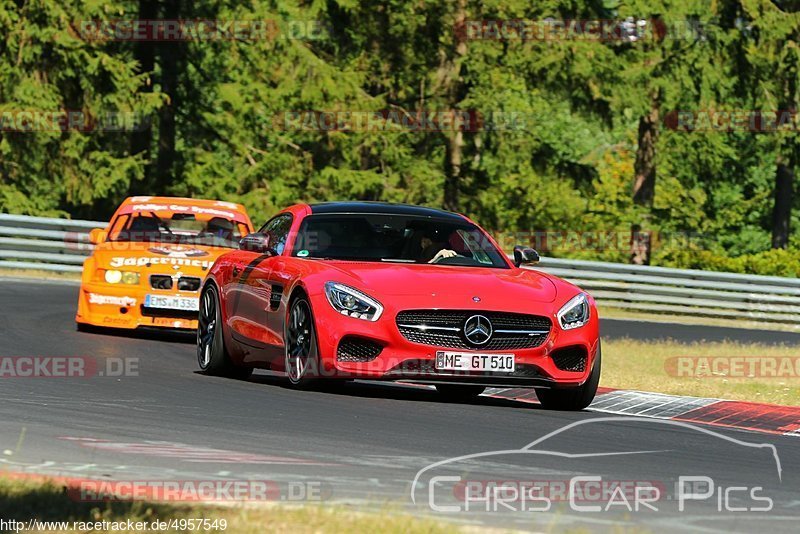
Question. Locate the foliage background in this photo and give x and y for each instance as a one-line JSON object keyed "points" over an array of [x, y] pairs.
{"points": [[211, 109]]}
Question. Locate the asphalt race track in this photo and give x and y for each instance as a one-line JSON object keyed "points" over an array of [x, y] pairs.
{"points": [[365, 443]]}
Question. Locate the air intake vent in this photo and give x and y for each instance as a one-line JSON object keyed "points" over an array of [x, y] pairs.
{"points": [[188, 283], [160, 281], [353, 349], [570, 359]]}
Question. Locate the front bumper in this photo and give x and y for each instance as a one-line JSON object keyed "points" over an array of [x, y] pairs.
{"points": [[122, 306], [401, 359]]}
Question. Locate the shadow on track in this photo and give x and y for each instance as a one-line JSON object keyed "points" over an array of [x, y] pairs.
{"points": [[152, 334], [386, 390]]}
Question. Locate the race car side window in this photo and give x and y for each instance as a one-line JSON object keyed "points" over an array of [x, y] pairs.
{"points": [[278, 230], [117, 226]]}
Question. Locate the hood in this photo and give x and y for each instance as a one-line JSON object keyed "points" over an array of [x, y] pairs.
{"points": [[393, 279], [156, 256]]}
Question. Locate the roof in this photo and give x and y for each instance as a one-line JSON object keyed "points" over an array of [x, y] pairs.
{"points": [[164, 206], [386, 208], [185, 201]]}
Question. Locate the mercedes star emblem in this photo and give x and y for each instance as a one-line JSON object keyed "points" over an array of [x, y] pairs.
{"points": [[478, 329]]}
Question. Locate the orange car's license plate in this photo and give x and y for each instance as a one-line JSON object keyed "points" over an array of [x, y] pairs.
{"points": [[172, 303]]}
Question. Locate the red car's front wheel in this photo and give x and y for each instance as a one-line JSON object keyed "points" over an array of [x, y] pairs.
{"points": [[302, 357], [574, 398]]}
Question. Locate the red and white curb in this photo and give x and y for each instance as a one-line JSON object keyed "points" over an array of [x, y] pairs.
{"points": [[756, 417]]}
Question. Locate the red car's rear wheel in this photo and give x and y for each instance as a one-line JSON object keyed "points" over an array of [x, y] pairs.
{"points": [[212, 357]]}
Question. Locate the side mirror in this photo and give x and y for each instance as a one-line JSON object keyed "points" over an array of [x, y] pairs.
{"points": [[256, 242], [97, 236], [525, 255]]}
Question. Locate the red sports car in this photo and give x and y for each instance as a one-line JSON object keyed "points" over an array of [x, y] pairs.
{"points": [[366, 290]]}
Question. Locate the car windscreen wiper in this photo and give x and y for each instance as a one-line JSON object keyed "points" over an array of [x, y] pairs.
{"points": [[161, 222]]}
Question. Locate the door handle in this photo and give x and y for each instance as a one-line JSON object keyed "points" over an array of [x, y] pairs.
{"points": [[236, 270]]}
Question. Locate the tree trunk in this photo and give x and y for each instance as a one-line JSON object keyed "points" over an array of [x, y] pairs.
{"points": [[455, 138], [145, 54], [455, 146], [644, 185], [782, 211], [785, 162], [170, 55]]}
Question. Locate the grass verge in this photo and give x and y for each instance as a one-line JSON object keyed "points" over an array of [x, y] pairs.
{"points": [[653, 366], [24, 499], [39, 274]]}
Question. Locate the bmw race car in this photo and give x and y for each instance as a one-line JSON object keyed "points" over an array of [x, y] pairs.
{"points": [[362, 290], [150, 261]]}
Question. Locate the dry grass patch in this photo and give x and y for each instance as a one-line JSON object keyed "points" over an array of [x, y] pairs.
{"points": [[651, 366]]}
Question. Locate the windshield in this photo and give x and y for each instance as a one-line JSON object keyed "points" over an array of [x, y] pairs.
{"points": [[179, 228], [396, 238]]}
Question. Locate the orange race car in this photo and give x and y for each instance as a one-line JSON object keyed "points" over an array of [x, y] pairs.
{"points": [[150, 261]]}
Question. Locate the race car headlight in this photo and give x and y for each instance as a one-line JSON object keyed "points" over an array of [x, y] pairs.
{"points": [[113, 276], [352, 302], [574, 313], [130, 277]]}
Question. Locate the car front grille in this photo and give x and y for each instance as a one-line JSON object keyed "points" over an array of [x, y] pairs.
{"points": [[353, 349], [165, 281], [445, 328], [188, 283], [160, 281]]}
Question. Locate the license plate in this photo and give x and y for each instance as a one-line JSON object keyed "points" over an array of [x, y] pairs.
{"points": [[172, 303], [470, 361]]}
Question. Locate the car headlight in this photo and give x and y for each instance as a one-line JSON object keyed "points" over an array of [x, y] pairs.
{"points": [[113, 276], [352, 302], [574, 313], [130, 277]]}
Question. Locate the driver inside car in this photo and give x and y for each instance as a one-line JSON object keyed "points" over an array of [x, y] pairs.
{"points": [[433, 248]]}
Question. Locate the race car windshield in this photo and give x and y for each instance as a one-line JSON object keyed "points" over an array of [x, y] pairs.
{"points": [[396, 238], [179, 229]]}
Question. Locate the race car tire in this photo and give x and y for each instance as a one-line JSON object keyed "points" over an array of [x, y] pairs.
{"points": [[302, 363], [212, 357], [83, 327], [459, 393], [572, 399]]}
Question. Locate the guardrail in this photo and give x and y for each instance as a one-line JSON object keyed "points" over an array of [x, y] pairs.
{"points": [[44, 243], [61, 245], [683, 291]]}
